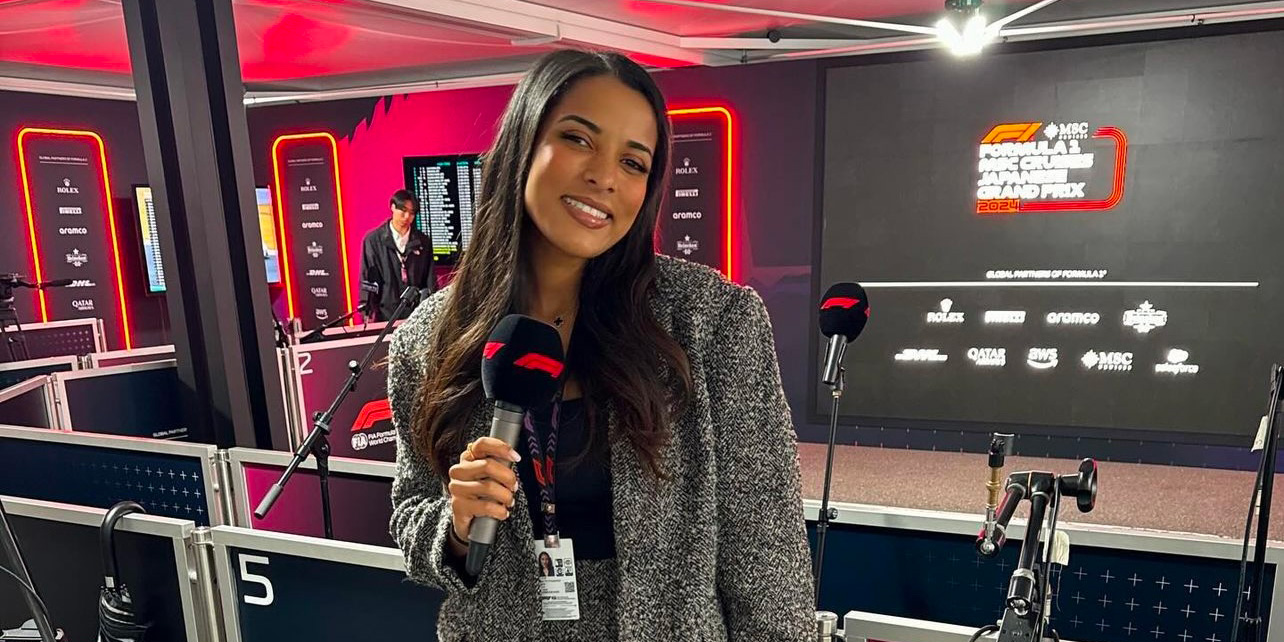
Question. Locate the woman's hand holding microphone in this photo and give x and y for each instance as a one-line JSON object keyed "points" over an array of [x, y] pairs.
{"points": [[482, 484]]}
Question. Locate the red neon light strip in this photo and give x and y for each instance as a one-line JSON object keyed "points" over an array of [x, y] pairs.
{"points": [[111, 220], [731, 250], [281, 210], [1116, 193]]}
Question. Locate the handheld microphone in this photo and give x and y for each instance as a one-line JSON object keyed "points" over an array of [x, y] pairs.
{"points": [[371, 287], [56, 283], [844, 310], [522, 366]]}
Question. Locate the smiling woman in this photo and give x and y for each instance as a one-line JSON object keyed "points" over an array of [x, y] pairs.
{"points": [[657, 496]]}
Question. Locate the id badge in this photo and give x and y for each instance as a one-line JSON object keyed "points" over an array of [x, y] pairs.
{"points": [[558, 587]]}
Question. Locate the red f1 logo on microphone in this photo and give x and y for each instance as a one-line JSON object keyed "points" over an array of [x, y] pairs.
{"points": [[843, 302], [491, 348], [542, 363]]}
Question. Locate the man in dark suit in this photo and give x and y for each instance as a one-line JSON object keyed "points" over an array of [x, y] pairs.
{"points": [[393, 256]]}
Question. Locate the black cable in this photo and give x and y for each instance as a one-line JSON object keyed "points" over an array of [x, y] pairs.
{"points": [[987, 629], [1243, 560], [44, 610], [1276, 391]]}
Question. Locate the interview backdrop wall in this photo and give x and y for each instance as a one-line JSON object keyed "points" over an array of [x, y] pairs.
{"points": [[116, 121], [1073, 241]]}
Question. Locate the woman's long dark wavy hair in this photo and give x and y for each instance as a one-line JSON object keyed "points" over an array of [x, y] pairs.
{"points": [[621, 356]]}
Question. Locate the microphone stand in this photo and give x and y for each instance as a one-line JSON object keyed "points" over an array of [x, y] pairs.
{"points": [[827, 513], [317, 442]]}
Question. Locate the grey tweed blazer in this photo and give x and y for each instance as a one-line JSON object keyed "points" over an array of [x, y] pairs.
{"points": [[718, 552]]}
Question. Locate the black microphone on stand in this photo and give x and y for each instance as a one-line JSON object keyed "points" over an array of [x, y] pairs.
{"points": [[522, 367], [844, 310], [843, 313]]}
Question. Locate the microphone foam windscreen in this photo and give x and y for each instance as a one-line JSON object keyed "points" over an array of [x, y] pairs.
{"points": [[522, 362], [844, 310]]}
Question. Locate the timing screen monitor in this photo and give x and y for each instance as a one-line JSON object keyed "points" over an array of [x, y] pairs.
{"points": [[446, 187], [151, 237]]}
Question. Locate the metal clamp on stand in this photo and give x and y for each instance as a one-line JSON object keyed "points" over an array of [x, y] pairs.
{"points": [[317, 442], [1028, 606]]}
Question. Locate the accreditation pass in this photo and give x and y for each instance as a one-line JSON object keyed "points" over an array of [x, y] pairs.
{"points": [[558, 592]]}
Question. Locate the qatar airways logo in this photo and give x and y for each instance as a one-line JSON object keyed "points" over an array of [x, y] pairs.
{"points": [[83, 305], [320, 292], [988, 357]]}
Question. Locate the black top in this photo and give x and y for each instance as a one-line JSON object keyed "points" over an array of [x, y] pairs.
{"points": [[583, 491], [381, 282]]}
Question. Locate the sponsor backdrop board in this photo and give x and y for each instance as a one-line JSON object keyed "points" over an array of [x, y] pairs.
{"points": [[71, 228], [310, 212], [1076, 238], [695, 214], [362, 428]]}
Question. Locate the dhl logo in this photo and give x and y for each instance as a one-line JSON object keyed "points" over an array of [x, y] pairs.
{"points": [[542, 363], [371, 414], [1012, 133]]}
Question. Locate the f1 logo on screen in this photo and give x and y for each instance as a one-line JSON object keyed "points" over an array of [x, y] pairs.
{"points": [[1023, 172]]}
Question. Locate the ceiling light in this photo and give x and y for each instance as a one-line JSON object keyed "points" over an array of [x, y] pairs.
{"points": [[974, 32]]}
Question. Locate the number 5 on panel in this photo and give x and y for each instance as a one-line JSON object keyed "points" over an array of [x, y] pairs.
{"points": [[246, 576]]}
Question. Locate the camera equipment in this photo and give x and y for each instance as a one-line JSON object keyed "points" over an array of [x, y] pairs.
{"points": [[12, 339], [1028, 606]]}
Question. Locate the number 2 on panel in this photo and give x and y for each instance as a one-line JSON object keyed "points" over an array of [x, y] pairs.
{"points": [[246, 576]]}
